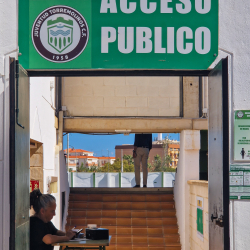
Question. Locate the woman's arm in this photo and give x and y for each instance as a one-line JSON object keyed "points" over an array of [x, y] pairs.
{"points": [[49, 239], [60, 233]]}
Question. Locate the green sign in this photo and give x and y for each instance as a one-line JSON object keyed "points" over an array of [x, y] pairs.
{"points": [[242, 135], [200, 202], [118, 34]]}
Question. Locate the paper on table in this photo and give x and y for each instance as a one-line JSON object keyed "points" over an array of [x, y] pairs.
{"points": [[79, 239]]}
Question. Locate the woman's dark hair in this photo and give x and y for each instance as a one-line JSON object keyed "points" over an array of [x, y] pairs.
{"points": [[39, 200]]}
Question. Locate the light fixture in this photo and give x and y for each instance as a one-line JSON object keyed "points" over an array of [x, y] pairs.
{"points": [[123, 131]]}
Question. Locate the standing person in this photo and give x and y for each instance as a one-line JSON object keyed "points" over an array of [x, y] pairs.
{"points": [[142, 146], [242, 152], [42, 231]]}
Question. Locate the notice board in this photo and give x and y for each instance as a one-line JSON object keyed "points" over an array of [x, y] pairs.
{"points": [[239, 181], [242, 135]]}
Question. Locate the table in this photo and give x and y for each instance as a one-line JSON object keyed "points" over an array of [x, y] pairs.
{"points": [[84, 244]]}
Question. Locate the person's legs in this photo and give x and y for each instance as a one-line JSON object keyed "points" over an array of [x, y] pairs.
{"points": [[145, 165], [137, 161]]}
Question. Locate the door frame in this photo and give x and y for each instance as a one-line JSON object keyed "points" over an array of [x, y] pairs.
{"points": [[225, 109], [17, 221], [12, 150], [103, 73], [219, 136]]}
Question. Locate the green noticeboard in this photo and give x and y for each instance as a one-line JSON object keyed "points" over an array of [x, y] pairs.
{"points": [[118, 34], [239, 181], [242, 135]]}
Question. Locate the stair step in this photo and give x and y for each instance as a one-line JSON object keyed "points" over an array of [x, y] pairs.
{"points": [[121, 197], [138, 240], [130, 246], [145, 238], [121, 205], [113, 230], [120, 247], [104, 222], [121, 213]]}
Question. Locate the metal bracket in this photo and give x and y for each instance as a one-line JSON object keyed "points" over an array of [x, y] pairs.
{"points": [[218, 221], [213, 217], [17, 86]]}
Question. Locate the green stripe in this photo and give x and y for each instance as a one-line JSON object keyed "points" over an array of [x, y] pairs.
{"points": [[120, 179], [71, 179], [93, 179], [233, 197], [245, 197], [24, 32], [60, 19]]}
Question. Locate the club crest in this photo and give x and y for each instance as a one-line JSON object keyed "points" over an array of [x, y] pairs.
{"points": [[60, 34]]}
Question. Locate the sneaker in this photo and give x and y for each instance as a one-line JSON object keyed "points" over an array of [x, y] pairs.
{"points": [[136, 186], [144, 186]]}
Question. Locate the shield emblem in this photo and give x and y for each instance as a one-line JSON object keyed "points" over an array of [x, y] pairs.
{"points": [[60, 33]]}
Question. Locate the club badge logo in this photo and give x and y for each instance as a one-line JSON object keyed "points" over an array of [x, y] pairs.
{"points": [[240, 114], [60, 34]]}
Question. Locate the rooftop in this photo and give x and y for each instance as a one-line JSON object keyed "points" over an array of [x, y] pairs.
{"points": [[76, 151]]}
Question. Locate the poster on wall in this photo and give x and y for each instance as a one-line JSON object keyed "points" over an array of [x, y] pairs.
{"points": [[115, 34], [200, 233], [34, 184], [242, 135], [239, 181]]}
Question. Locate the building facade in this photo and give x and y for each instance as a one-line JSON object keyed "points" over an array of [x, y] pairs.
{"points": [[233, 44], [80, 157]]}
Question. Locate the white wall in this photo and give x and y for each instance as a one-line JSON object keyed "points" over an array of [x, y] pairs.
{"points": [[42, 129], [187, 169], [234, 40], [234, 37], [121, 96], [64, 187], [42, 121], [8, 48]]}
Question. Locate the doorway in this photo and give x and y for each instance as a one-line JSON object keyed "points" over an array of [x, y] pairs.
{"points": [[17, 134]]}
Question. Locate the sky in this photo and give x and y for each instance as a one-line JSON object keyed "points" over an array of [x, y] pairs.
{"points": [[104, 145]]}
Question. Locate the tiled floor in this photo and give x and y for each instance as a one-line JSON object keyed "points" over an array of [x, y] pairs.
{"points": [[136, 221]]}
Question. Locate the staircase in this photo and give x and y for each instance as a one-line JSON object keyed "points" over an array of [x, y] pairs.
{"points": [[137, 219]]}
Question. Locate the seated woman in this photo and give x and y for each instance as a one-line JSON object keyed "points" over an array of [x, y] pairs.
{"points": [[42, 231]]}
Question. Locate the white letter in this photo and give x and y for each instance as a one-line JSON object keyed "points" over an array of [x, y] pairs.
{"points": [[108, 36], [108, 4], [121, 40], [205, 9], [202, 40], [124, 6], [187, 6], [180, 40], [142, 39], [158, 41], [170, 40], [145, 9], [164, 6]]}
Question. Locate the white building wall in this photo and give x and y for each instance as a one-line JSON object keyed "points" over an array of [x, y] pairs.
{"points": [[188, 169], [121, 96], [8, 48], [42, 129], [42, 121], [234, 38]]}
